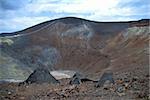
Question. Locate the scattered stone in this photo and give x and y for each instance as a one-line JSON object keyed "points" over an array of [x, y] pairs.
{"points": [[41, 75], [22, 98], [134, 79], [9, 93], [143, 95], [27, 86], [68, 90], [119, 81], [120, 89], [126, 85], [147, 75], [120, 94]]}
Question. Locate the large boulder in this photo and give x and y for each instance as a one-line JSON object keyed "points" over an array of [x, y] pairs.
{"points": [[107, 76], [41, 75], [76, 79]]}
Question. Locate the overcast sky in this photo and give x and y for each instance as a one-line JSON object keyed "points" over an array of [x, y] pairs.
{"points": [[19, 14]]}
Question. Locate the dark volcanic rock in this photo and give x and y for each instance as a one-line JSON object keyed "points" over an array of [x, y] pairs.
{"points": [[41, 75], [76, 79], [107, 76], [79, 78]]}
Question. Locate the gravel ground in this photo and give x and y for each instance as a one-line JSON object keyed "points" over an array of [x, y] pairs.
{"points": [[129, 85]]}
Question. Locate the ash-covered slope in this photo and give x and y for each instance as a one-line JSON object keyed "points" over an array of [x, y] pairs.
{"points": [[75, 44]]}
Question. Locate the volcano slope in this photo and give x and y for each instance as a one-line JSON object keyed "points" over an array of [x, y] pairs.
{"points": [[75, 44], [80, 45]]}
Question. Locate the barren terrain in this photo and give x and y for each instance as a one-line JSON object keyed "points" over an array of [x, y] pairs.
{"points": [[90, 48]]}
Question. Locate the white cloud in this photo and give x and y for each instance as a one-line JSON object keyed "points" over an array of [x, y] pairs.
{"points": [[98, 10], [82, 6]]}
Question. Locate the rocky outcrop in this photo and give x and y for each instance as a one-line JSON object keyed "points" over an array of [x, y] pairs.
{"points": [[107, 76], [76, 79], [41, 75]]}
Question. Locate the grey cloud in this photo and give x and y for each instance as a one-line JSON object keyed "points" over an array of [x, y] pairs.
{"points": [[12, 4]]}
